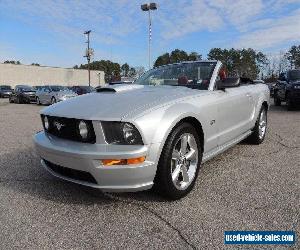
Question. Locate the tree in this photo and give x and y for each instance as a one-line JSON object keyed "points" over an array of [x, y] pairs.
{"points": [[162, 60], [131, 72], [35, 64], [240, 62], [12, 62], [125, 69], [176, 56], [293, 56], [111, 69]]}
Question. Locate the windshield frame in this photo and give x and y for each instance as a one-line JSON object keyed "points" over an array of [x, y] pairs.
{"points": [[5, 87], [191, 83]]}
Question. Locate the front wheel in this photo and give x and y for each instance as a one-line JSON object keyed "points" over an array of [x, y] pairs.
{"points": [[38, 102], [53, 100], [260, 128], [18, 100], [289, 103], [277, 100], [179, 163]]}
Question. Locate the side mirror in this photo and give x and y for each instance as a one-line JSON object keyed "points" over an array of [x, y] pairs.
{"points": [[229, 82]]}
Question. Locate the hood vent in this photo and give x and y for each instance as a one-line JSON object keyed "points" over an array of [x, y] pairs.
{"points": [[106, 90]]}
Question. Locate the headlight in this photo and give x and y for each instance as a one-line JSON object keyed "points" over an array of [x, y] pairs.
{"points": [[83, 130], [46, 122], [122, 133]]}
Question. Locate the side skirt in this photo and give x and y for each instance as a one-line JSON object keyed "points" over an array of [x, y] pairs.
{"points": [[220, 149]]}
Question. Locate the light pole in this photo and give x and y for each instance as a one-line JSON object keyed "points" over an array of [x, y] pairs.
{"points": [[88, 53], [148, 7]]}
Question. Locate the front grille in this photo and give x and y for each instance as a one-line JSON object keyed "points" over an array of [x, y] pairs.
{"points": [[67, 128], [71, 173]]}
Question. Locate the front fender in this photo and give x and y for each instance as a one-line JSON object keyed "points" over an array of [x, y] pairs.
{"points": [[156, 125]]}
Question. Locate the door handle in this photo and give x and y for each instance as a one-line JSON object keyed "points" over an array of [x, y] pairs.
{"points": [[248, 95]]}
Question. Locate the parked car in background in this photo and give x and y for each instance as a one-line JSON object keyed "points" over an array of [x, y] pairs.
{"points": [[5, 91], [37, 87], [156, 131], [81, 90], [51, 94], [287, 89], [23, 94], [272, 86]]}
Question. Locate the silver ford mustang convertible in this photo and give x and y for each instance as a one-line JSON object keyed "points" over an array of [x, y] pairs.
{"points": [[155, 132]]}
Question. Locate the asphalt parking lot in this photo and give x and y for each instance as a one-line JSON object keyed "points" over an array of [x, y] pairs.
{"points": [[246, 188]]}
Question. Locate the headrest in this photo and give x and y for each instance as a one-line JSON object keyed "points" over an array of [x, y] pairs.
{"points": [[183, 80]]}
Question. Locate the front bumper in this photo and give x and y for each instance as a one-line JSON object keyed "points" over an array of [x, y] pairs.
{"points": [[5, 94], [29, 98], [295, 96], [87, 158]]}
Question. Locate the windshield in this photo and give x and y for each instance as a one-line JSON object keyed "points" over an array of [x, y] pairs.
{"points": [[26, 88], [87, 88], [294, 75], [58, 88], [194, 75], [5, 87]]}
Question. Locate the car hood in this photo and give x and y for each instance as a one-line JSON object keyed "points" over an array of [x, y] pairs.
{"points": [[29, 92], [118, 101], [66, 92]]}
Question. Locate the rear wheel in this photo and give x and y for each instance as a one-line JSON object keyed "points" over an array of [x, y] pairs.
{"points": [[260, 128], [179, 163]]}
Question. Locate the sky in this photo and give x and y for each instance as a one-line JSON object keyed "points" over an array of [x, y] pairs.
{"points": [[51, 32]]}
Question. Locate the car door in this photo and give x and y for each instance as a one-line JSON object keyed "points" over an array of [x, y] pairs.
{"points": [[41, 94], [235, 107], [281, 90], [47, 94]]}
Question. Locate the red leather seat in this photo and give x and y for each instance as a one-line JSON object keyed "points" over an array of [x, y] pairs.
{"points": [[183, 80]]}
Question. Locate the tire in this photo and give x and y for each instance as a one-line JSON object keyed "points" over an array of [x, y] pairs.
{"points": [[260, 128], [53, 100], [289, 103], [172, 162], [18, 100], [277, 100], [38, 101]]}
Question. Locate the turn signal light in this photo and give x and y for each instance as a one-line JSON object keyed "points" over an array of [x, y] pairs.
{"points": [[111, 162]]}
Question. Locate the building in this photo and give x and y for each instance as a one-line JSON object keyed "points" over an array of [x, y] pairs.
{"points": [[12, 74]]}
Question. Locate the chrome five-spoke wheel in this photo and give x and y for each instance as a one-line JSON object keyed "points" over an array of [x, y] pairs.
{"points": [[184, 161], [262, 124], [179, 162]]}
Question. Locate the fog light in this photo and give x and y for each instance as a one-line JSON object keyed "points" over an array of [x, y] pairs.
{"points": [[111, 162]]}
